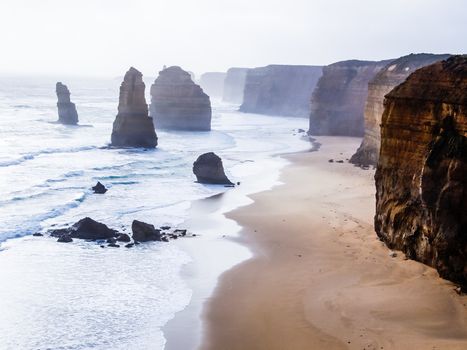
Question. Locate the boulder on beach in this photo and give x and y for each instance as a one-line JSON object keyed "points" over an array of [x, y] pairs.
{"points": [[66, 109], [99, 188], [208, 169], [86, 228], [133, 127], [177, 103], [143, 232]]}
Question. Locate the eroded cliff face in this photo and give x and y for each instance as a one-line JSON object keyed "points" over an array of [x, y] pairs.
{"points": [[213, 83], [338, 102], [280, 90], [132, 126], [388, 78], [177, 103], [421, 177], [234, 84]]}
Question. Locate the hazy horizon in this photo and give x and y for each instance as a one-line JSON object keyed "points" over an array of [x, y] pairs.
{"points": [[90, 38]]}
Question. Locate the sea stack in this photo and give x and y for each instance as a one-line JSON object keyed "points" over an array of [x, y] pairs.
{"points": [[338, 102], [280, 90], [234, 85], [213, 83], [421, 176], [387, 79], [177, 103], [66, 109], [132, 126], [208, 169]]}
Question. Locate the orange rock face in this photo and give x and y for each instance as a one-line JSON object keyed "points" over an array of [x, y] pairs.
{"points": [[387, 79], [421, 177]]}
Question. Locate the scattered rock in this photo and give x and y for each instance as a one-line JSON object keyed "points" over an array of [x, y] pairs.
{"points": [[208, 169], [113, 245], [165, 227], [86, 228], [143, 232], [129, 245], [99, 188], [180, 232], [340, 161], [111, 240], [331, 160], [123, 237], [65, 239], [37, 234]]}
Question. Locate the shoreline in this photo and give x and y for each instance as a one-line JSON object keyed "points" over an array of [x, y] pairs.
{"points": [[320, 278]]}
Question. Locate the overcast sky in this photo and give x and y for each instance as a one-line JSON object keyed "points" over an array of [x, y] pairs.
{"points": [[105, 37]]}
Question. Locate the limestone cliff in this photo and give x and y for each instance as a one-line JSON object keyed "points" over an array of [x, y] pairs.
{"points": [[234, 84], [177, 103], [213, 83], [280, 90], [66, 109], [388, 78], [421, 177], [132, 126], [338, 101]]}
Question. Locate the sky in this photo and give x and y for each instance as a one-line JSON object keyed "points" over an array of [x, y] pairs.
{"points": [[106, 37]]}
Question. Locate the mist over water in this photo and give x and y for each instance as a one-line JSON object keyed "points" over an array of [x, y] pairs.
{"points": [[80, 296]]}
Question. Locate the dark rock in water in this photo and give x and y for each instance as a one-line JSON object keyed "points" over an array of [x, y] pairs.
{"points": [[133, 127], [177, 103], [65, 239], [143, 232], [387, 79], [234, 85], [113, 245], [338, 102], [300, 130], [86, 228], [280, 90], [66, 109], [180, 232], [213, 83], [165, 227], [123, 238], [129, 245], [208, 169], [331, 160], [111, 240], [340, 161], [37, 234], [421, 177], [164, 239], [99, 188]]}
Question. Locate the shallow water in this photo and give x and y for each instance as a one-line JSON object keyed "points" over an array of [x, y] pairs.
{"points": [[80, 296]]}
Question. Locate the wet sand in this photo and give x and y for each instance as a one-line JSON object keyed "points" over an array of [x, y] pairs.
{"points": [[319, 278]]}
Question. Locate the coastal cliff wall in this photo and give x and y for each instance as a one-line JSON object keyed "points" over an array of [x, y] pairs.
{"points": [[212, 83], [388, 78], [280, 90], [421, 177], [338, 102], [234, 83]]}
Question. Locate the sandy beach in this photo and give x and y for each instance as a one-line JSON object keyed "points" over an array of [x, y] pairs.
{"points": [[319, 278]]}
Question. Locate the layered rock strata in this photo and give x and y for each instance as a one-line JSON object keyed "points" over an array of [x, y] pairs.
{"points": [[280, 90], [234, 84], [133, 127], [421, 177], [177, 103], [213, 83], [338, 102], [389, 77], [67, 113]]}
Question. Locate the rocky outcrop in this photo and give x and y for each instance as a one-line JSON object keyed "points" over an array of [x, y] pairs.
{"points": [[143, 232], [132, 126], [421, 177], [177, 103], [86, 228], [389, 77], [99, 188], [280, 90], [213, 83], [338, 102], [66, 109], [234, 85], [208, 169]]}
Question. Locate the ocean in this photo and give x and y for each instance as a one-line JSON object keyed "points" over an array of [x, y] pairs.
{"points": [[78, 295]]}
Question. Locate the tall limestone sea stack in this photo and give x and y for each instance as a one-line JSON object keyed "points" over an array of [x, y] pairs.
{"points": [[177, 103], [234, 85], [338, 101], [66, 109], [388, 78], [421, 177], [212, 83], [280, 90], [133, 127]]}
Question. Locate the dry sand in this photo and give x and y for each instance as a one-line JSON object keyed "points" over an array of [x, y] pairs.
{"points": [[320, 279]]}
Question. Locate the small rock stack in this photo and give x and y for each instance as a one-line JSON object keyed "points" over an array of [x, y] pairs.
{"points": [[66, 109]]}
